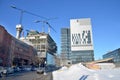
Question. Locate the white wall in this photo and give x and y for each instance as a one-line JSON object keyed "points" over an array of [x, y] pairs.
{"points": [[80, 29]]}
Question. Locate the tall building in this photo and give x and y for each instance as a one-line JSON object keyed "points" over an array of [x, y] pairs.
{"points": [[45, 45], [81, 40], [65, 45], [77, 42]]}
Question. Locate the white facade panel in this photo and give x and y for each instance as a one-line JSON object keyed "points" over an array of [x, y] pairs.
{"points": [[31, 37], [81, 34], [44, 37]]}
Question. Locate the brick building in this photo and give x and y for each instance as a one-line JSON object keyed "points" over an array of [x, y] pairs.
{"points": [[14, 51]]}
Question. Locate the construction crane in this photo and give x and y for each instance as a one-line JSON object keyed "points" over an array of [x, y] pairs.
{"points": [[46, 22], [28, 32], [24, 11]]}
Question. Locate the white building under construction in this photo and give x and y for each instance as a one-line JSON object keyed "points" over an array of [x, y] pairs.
{"points": [[45, 45]]}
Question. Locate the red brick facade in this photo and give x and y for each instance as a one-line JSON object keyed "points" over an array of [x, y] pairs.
{"points": [[14, 51]]}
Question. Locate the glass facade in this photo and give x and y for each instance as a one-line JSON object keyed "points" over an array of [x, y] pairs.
{"points": [[65, 43], [113, 54], [82, 56], [50, 59]]}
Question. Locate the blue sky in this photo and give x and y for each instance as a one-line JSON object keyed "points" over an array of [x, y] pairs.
{"points": [[104, 14]]}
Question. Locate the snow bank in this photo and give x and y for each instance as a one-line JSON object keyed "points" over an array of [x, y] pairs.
{"points": [[80, 72]]}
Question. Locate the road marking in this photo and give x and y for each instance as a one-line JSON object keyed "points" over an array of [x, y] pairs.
{"points": [[83, 77]]}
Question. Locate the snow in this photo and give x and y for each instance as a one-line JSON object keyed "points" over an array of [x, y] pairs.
{"points": [[80, 72]]}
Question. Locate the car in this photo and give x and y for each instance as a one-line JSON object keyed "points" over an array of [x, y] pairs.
{"points": [[2, 71], [22, 68], [16, 69], [33, 68], [40, 70], [27, 68], [10, 70]]}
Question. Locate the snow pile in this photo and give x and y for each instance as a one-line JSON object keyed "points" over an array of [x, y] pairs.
{"points": [[64, 68], [79, 72]]}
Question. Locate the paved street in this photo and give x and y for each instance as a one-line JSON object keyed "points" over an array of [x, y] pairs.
{"points": [[29, 76]]}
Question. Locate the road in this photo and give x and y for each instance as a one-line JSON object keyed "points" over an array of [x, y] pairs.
{"points": [[29, 76]]}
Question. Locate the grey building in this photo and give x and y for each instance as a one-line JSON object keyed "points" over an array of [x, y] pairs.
{"points": [[115, 54], [65, 45]]}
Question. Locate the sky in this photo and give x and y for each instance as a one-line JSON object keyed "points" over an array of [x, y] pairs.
{"points": [[104, 14]]}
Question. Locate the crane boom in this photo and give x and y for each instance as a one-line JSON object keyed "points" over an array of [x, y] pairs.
{"points": [[24, 11], [50, 26], [46, 22]]}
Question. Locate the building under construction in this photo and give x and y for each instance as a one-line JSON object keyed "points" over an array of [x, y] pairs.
{"points": [[45, 45]]}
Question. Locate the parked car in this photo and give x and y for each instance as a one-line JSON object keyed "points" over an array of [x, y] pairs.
{"points": [[27, 68], [2, 71], [33, 68], [16, 69], [40, 70], [22, 68], [10, 70]]}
